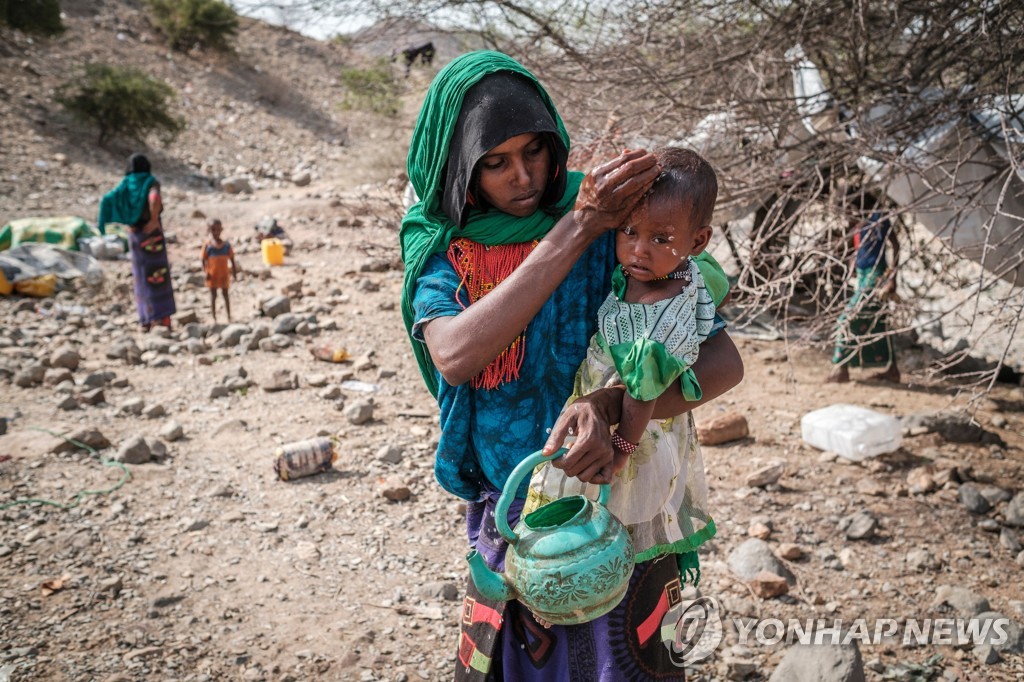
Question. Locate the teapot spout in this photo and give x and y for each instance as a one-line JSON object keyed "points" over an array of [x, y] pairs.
{"points": [[490, 584]]}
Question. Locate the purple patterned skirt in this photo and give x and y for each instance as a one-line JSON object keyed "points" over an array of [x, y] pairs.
{"points": [[151, 277]]}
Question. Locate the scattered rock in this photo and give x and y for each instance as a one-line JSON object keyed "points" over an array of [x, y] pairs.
{"points": [[94, 397], [359, 412], [232, 333], [392, 454], [154, 411], [1008, 541], [870, 486], [134, 451], [972, 499], [56, 376], [754, 556], [922, 560], [281, 380], [132, 406], [767, 585], [30, 376], [1014, 640], [723, 429], [65, 357], [766, 475], [859, 526], [791, 552], [921, 480], [951, 426], [394, 489], [759, 530], [286, 323], [986, 654], [276, 306], [964, 603], [1014, 511], [172, 431], [438, 589], [820, 663], [88, 436], [68, 403], [236, 185]]}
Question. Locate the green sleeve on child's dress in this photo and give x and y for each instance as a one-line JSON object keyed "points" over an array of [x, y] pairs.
{"points": [[714, 277], [647, 369]]}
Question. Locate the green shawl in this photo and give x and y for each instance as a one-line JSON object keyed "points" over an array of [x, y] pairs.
{"points": [[426, 229], [125, 203]]}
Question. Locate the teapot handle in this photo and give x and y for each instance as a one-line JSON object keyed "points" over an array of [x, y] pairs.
{"points": [[524, 468]]}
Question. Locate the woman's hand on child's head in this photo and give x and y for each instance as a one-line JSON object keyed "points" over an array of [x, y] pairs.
{"points": [[610, 192]]}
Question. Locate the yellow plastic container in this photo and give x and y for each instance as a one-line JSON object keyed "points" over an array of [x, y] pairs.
{"points": [[273, 251], [40, 287], [5, 287]]}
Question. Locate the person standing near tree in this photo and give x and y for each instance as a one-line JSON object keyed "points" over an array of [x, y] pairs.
{"points": [[863, 337]]}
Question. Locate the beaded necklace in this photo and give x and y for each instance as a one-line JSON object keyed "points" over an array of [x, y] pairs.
{"points": [[675, 274]]}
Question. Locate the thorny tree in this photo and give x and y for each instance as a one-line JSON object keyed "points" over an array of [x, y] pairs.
{"points": [[919, 104]]}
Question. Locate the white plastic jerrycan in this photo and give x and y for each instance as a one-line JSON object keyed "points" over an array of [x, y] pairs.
{"points": [[853, 432]]}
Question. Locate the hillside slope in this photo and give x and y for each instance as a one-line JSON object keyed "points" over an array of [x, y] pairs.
{"points": [[270, 108]]}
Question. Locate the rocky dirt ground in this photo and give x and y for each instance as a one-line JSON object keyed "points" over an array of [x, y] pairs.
{"points": [[203, 566]]}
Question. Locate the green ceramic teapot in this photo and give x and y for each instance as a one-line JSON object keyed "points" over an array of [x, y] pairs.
{"points": [[569, 561]]}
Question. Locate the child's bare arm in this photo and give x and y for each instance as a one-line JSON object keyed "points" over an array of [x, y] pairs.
{"points": [[636, 414]]}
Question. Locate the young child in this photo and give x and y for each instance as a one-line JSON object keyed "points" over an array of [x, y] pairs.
{"points": [[649, 332], [219, 264]]}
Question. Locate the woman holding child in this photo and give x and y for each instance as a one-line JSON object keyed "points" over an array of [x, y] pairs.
{"points": [[508, 259]]}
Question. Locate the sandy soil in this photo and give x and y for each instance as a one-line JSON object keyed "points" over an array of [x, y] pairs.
{"points": [[203, 566]]}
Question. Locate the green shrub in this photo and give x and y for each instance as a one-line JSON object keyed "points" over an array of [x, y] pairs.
{"points": [[37, 16], [207, 23], [373, 89], [121, 101]]}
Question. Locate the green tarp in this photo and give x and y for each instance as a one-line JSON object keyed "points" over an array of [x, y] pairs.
{"points": [[62, 231]]}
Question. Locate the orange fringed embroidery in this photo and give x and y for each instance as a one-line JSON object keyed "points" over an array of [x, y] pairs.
{"points": [[481, 268]]}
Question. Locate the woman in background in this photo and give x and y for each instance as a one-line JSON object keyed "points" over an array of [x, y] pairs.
{"points": [[136, 203]]}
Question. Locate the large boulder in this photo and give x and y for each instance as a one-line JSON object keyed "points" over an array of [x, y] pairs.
{"points": [[754, 556], [820, 663]]}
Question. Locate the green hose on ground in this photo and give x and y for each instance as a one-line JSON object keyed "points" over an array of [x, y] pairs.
{"points": [[126, 475]]}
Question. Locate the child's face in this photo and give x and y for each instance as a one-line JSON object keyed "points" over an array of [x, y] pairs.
{"points": [[657, 237], [215, 230]]}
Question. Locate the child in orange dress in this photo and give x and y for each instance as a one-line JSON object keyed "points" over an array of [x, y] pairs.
{"points": [[219, 265]]}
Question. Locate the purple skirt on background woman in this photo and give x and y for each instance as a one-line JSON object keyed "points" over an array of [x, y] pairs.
{"points": [[503, 641], [151, 276]]}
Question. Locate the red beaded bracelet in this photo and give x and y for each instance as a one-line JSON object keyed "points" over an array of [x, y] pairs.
{"points": [[621, 443]]}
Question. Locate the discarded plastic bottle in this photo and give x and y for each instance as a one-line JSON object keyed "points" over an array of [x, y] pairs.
{"points": [[304, 458], [853, 432], [330, 354]]}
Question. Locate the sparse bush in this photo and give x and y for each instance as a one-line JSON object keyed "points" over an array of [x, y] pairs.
{"points": [[121, 101], [207, 23], [37, 16], [372, 89]]}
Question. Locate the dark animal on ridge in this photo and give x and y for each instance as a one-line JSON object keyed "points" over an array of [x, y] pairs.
{"points": [[424, 52]]}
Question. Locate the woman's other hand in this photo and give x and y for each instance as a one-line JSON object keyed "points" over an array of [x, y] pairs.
{"points": [[591, 458], [610, 192]]}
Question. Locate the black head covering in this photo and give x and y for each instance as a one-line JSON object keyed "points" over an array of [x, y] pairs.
{"points": [[501, 106], [137, 163]]}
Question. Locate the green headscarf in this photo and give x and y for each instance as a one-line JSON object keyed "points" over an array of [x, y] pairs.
{"points": [[426, 229], [125, 203]]}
